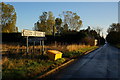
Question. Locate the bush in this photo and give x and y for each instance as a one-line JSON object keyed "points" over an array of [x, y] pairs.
{"points": [[113, 37], [88, 41], [79, 52], [72, 54], [59, 61]]}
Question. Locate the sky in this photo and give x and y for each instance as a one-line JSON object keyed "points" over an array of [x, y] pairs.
{"points": [[59, 0], [94, 14]]}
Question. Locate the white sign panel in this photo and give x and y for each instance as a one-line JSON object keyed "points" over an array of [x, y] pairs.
{"points": [[33, 33], [41, 34]]}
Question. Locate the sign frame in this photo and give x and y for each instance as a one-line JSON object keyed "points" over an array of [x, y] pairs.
{"points": [[26, 32]]}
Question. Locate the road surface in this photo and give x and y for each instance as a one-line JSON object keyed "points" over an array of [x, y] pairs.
{"points": [[102, 63]]}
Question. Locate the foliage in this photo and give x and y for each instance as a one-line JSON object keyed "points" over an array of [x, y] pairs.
{"points": [[88, 41], [27, 67], [45, 23], [115, 27], [90, 32], [72, 20], [113, 33], [58, 22], [113, 37], [59, 61], [98, 30], [72, 54], [79, 52], [8, 20], [91, 35]]}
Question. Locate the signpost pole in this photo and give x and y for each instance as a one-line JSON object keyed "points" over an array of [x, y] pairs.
{"points": [[28, 33], [27, 44], [42, 47], [33, 47]]}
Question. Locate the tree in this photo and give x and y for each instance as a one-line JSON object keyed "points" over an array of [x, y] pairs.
{"points": [[45, 23], [113, 33], [65, 27], [72, 20], [50, 23], [8, 20], [98, 30], [114, 27], [58, 22], [40, 25], [90, 32]]}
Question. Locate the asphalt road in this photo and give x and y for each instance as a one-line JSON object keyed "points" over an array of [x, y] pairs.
{"points": [[103, 63]]}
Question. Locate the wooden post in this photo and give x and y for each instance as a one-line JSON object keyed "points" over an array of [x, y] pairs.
{"points": [[33, 47], [27, 45], [42, 47]]}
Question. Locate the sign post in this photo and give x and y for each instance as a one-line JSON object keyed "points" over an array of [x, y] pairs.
{"points": [[33, 47], [28, 33], [27, 45], [42, 47]]}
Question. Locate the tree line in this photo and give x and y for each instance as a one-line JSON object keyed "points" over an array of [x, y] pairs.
{"points": [[8, 18], [65, 28], [51, 25], [113, 36], [46, 23]]}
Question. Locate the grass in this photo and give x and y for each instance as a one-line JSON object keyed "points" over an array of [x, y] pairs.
{"points": [[27, 68], [17, 65], [78, 52]]}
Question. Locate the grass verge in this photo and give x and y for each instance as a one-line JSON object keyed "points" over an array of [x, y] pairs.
{"points": [[17, 65]]}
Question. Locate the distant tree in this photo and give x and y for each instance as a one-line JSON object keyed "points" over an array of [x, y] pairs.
{"points": [[65, 27], [58, 22], [90, 32], [40, 25], [94, 34], [98, 30], [113, 33], [45, 23], [114, 27], [72, 20], [8, 20], [88, 28], [43, 17], [50, 23], [88, 41]]}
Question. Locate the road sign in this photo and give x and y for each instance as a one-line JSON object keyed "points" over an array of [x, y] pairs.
{"points": [[33, 33], [28, 33], [37, 39], [40, 34]]}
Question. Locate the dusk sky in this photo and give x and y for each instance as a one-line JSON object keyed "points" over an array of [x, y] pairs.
{"points": [[92, 14]]}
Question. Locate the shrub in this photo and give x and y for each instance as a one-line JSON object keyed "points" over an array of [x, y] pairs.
{"points": [[113, 37], [88, 41], [72, 54], [59, 61]]}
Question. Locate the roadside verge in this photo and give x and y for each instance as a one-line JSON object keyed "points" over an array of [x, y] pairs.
{"points": [[63, 65]]}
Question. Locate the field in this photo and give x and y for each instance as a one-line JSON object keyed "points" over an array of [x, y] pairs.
{"points": [[16, 64]]}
